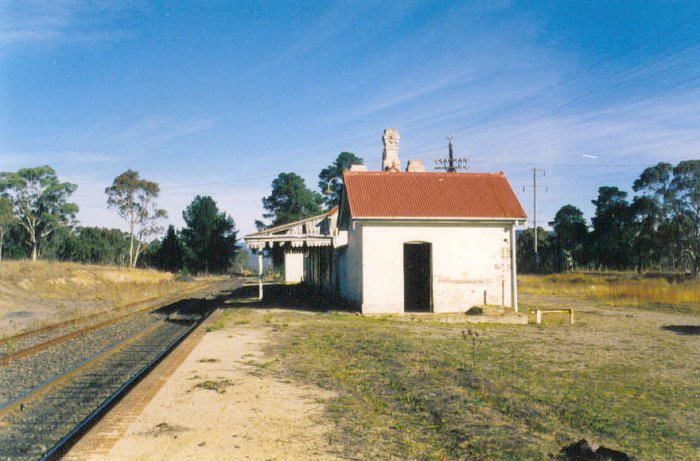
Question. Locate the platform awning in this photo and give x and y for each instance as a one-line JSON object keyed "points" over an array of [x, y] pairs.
{"points": [[295, 241], [315, 231]]}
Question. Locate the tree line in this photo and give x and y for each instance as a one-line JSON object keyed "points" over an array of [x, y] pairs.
{"points": [[37, 220], [659, 229]]}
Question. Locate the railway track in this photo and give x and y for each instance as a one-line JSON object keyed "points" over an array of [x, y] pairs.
{"points": [[30, 342], [41, 421]]}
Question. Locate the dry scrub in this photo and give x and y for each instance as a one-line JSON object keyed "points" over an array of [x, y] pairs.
{"points": [[618, 288], [33, 294]]}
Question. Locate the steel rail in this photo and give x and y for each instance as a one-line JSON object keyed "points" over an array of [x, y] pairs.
{"points": [[66, 442], [67, 337], [57, 411], [164, 302], [46, 385]]}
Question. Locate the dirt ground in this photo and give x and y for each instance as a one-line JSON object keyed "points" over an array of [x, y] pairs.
{"points": [[218, 405]]}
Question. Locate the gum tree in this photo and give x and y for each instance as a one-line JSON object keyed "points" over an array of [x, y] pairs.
{"points": [[6, 218], [571, 235], [686, 188], [39, 201], [134, 199]]}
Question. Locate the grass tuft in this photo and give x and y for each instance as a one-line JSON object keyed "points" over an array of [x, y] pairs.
{"points": [[218, 385]]}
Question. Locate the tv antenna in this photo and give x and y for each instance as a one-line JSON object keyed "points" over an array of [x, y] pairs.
{"points": [[451, 164]]}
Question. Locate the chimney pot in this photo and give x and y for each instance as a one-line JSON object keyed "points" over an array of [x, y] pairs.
{"points": [[415, 166]]}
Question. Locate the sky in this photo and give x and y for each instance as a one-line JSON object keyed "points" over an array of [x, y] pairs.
{"points": [[219, 97]]}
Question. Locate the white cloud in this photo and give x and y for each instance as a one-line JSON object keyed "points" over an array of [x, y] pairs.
{"points": [[15, 160], [153, 131], [50, 22]]}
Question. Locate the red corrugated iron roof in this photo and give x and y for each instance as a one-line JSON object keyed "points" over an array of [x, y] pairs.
{"points": [[431, 195]]}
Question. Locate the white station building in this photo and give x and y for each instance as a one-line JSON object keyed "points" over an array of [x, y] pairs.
{"points": [[408, 241]]}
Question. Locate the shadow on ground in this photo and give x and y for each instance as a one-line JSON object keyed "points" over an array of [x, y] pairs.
{"points": [[688, 330], [281, 296]]}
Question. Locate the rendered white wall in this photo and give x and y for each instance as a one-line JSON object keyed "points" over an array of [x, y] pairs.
{"points": [[293, 267], [467, 259], [350, 266]]}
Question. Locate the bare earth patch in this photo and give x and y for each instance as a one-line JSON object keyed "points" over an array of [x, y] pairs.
{"points": [[218, 405]]}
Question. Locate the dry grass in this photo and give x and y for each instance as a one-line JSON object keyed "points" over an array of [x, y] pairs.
{"points": [[419, 390], [33, 294], [620, 288]]}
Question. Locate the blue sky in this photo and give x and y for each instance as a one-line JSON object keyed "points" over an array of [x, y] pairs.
{"points": [[217, 98]]}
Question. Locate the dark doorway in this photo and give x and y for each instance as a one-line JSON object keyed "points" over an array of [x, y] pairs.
{"points": [[417, 277]]}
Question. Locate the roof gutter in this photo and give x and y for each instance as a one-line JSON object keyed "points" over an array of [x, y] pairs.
{"points": [[438, 218]]}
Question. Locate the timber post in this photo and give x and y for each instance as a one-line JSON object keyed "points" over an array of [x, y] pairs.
{"points": [[260, 275]]}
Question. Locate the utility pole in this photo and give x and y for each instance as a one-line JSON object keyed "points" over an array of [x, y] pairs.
{"points": [[534, 186], [451, 164]]}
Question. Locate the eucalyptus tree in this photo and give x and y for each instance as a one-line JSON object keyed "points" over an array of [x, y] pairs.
{"points": [[6, 218], [39, 201], [667, 213], [134, 199], [570, 235], [613, 229], [686, 220], [653, 212]]}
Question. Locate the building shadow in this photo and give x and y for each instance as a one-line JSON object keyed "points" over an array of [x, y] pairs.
{"points": [[300, 297], [687, 330]]}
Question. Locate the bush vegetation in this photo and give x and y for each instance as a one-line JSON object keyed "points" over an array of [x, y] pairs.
{"points": [[669, 291], [658, 230]]}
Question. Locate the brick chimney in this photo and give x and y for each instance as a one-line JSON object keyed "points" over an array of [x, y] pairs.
{"points": [[415, 166], [390, 156]]}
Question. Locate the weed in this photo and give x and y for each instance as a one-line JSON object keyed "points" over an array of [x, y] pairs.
{"points": [[219, 385]]}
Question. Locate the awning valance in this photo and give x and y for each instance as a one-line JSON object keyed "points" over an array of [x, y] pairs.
{"points": [[295, 241]]}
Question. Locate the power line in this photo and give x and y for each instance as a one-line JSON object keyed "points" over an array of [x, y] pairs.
{"points": [[217, 183], [562, 165]]}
